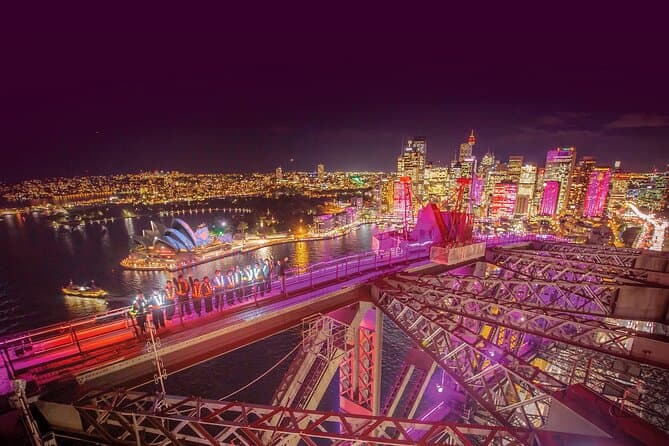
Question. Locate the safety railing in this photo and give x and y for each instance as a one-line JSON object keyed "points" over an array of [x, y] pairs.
{"points": [[61, 340]]}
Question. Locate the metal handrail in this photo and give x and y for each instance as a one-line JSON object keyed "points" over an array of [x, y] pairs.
{"points": [[73, 332]]}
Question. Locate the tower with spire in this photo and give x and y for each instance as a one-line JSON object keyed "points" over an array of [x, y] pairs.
{"points": [[466, 148]]}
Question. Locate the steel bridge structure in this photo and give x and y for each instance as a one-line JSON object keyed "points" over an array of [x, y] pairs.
{"points": [[538, 343]]}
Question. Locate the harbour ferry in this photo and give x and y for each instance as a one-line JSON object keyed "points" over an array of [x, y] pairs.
{"points": [[73, 289]]}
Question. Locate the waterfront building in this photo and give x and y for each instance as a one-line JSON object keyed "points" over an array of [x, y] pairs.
{"points": [[504, 199], [411, 163], [597, 192], [559, 167], [320, 171], [278, 173]]}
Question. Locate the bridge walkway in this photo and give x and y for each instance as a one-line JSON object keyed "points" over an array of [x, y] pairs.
{"points": [[74, 351]]}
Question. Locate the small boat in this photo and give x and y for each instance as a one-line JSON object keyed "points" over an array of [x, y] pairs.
{"points": [[83, 291]]}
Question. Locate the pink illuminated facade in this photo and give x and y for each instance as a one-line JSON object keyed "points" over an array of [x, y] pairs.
{"points": [[549, 199], [503, 200], [597, 192]]}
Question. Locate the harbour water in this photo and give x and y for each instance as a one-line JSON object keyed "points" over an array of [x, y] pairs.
{"points": [[37, 260]]}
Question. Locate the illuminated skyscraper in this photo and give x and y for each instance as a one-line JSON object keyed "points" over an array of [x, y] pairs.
{"points": [[550, 198], [559, 167], [526, 185], [436, 183], [580, 179], [466, 148], [279, 174], [514, 167], [618, 193], [597, 192], [503, 199], [320, 170], [411, 163]]}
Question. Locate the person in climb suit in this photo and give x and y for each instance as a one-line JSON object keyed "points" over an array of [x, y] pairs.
{"points": [[219, 289], [157, 314], [140, 308], [207, 293], [170, 299], [183, 288], [196, 295], [229, 287]]}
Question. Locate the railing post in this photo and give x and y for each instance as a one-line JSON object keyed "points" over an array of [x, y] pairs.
{"points": [[390, 256], [74, 338], [346, 268], [8, 363]]}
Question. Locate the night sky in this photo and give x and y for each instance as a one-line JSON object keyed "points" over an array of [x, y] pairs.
{"points": [[106, 90]]}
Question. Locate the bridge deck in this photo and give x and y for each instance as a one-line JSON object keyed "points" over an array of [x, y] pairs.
{"points": [[109, 353]]}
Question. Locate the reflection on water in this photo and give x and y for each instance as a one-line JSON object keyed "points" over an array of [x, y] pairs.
{"points": [[82, 306], [129, 226], [38, 260], [301, 255]]}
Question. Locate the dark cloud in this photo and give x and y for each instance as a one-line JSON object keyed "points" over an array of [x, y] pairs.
{"points": [[639, 120]]}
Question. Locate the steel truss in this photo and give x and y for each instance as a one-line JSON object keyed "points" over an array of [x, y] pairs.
{"points": [[597, 249], [510, 321], [508, 389], [583, 298], [591, 332], [125, 417], [547, 267], [642, 389], [323, 341]]}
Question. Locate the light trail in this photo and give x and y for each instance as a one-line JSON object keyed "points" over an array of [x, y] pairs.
{"points": [[659, 227]]}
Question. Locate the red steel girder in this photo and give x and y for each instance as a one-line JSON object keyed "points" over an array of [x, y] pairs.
{"points": [[199, 421]]}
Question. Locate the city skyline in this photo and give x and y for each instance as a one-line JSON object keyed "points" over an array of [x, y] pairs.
{"points": [[239, 91]]}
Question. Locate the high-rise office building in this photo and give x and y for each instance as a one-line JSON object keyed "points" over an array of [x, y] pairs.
{"points": [[436, 183], [320, 170], [559, 166], [580, 179], [278, 173], [597, 192], [550, 198], [526, 185], [467, 147], [503, 199], [411, 163], [514, 167], [618, 191]]}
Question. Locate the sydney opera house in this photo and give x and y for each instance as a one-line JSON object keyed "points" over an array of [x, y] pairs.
{"points": [[178, 237], [174, 247]]}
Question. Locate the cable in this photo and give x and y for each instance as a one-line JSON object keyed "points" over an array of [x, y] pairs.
{"points": [[299, 344]]}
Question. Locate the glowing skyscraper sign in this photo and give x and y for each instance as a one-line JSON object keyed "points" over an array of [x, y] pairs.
{"points": [[549, 199], [598, 189]]}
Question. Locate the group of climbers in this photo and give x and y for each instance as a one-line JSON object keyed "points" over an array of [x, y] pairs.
{"points": [[183, 296]]}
